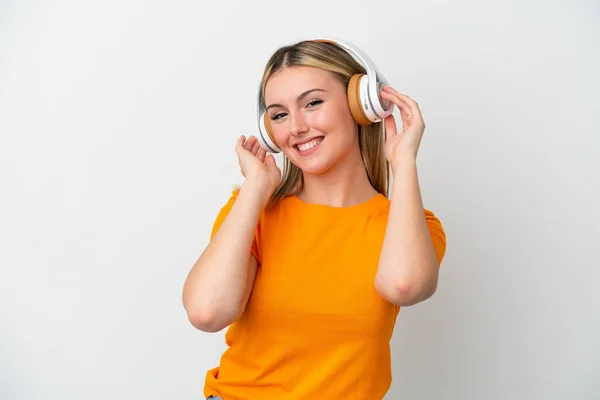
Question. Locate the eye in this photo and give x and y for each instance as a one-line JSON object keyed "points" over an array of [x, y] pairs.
{"points": [[277, 116], [314, 102]]}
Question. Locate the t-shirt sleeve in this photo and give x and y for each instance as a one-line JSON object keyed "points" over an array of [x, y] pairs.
{"points": [[223, 214], [438, 236]]}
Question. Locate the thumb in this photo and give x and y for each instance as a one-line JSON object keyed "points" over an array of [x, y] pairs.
{"points": [[390, 127], [270, 161]]}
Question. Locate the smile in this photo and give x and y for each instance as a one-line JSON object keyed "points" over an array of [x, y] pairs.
{"points": [[309, 147]]}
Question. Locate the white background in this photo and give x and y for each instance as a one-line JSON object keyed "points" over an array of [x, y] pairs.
{"points": [[118, 122]]}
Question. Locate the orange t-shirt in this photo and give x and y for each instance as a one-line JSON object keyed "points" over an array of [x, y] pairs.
{"points": [[314, 326]]}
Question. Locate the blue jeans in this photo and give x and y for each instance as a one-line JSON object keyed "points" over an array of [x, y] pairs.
{"points": [[214, 398]]}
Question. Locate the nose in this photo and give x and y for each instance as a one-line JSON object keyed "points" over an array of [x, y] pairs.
{"points": [[298, 124]]}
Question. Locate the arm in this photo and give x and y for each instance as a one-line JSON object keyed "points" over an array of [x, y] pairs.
{"points": [[408, 266], [219, 284], [409, 261]]}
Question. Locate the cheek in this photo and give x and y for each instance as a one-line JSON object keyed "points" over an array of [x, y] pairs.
{"points": [[335, 122], [321, 120], [328, 119], [280, 134]]}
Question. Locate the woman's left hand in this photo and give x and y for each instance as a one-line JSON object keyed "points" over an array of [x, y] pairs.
{"points": [[406, 144]]}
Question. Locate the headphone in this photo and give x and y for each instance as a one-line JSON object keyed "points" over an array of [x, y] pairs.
{"points": [[366, 105]]}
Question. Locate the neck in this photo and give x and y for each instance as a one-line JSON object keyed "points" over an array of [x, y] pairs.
{"points": [[344, 185]]}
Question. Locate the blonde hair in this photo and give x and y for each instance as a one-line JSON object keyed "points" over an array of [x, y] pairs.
{"points": [[332, 58]]}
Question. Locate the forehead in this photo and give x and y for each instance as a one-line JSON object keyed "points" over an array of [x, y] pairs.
{"points": [[291, 81]]}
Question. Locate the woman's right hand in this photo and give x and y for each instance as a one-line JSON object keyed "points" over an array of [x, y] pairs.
{"points": [[256, 164]]}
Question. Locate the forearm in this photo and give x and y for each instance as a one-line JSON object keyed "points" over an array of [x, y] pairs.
{"points": [[216, 284], [407, 270]]}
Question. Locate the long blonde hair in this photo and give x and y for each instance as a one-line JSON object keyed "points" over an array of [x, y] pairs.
{"points": [[334, 59]]}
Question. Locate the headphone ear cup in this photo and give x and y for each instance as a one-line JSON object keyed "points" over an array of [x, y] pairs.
{"points": [[266, 139], [354, 101]]}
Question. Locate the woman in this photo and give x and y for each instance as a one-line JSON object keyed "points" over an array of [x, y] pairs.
{"points": [[309, 269]]}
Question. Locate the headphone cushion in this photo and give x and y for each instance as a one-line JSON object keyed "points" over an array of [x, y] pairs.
{"points": [[354, 101]]}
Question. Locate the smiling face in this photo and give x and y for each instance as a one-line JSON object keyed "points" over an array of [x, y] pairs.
{"points": [[310, 118]]}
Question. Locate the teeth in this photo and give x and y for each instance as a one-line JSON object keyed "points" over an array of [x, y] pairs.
{"points": [[309, 145]]}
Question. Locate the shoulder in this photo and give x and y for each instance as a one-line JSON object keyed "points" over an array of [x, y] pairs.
{"points": [[437, 234], [434, 226], [222, 214], [273, 212]]}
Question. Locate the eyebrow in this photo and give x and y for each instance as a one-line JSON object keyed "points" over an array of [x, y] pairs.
{"points": [[303, 95]]}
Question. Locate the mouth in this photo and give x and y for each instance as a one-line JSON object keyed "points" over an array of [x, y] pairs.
{"points": [[310, 146]]}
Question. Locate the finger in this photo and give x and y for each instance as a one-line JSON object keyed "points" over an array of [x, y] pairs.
{"points": [[413, 106], [256, 148], [401, 103], [405, 111], [411, 102], [390, 127], [270, 160], [261, 154], [240, 143], [416, 116], [250, 143]]}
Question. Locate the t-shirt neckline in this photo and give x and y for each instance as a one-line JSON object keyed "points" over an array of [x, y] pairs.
{"points": [[367, 204]]}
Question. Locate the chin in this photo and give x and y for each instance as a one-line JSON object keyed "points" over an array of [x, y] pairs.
{"points": [[314, 168]]}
